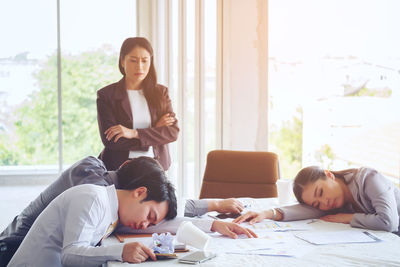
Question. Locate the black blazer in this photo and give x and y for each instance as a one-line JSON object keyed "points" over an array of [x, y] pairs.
{"points": [[113, 108]]}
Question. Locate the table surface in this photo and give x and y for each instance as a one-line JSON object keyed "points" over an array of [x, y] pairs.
{"points": [[385, 253]]}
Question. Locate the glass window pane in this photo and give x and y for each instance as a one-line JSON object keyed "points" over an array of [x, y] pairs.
{"points": [[25, 124], [210, 72], [189, 106], [90, 43], [334, 84], [187, 121], [28, 102], [174, 91]]}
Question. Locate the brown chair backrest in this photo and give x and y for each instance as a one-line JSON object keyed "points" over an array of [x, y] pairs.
{"points": [[240, 174]]}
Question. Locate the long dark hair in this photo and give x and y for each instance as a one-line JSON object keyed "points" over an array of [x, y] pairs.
{"points": [[152, 94], [311, 174]]}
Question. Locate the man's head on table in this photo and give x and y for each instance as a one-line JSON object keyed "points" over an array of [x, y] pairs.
{"points": [[145, 196]]}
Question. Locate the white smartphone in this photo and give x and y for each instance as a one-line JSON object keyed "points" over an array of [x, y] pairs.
{"points": [[197, 257]]}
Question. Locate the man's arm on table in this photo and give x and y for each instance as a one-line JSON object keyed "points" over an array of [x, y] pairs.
{"points": [[198, 207], [170, 226], [207, 225]]}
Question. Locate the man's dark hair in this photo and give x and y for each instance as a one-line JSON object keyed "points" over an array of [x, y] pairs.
{"points": [[147, 172]]}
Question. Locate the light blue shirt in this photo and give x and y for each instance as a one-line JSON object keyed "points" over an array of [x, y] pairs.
{"points": [[67, 231]]}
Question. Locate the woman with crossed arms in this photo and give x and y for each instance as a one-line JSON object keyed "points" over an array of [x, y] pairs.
{"points": [[361, 197], [135, 115]]}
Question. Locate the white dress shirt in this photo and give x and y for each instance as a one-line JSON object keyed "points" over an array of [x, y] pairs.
{"points": [[67, 231], [141, 119]]}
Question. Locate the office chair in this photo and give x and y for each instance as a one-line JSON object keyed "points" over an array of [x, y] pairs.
{"points": [[240, 174]]}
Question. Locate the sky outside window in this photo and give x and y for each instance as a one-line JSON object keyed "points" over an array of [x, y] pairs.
{"points": [[334, 73]]}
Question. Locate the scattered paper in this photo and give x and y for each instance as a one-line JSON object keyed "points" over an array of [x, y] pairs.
{"points": [[163, 243], [338, 237], [268, 244], [282, 251], [278, 226]]}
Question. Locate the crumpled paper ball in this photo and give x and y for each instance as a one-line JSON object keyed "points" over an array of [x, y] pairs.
{"points": [[163, 243]]}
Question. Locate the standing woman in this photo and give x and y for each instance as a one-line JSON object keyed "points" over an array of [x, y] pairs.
{"points": [[135, 115]]}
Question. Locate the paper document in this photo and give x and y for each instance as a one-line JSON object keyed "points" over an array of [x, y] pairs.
{"points": [[270, 244], [338, 237], [257, 204], [278, 226], [276, 251]]}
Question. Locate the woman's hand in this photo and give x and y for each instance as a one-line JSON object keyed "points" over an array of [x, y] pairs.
{"points": [[166, 120], [231, 230], [338, 218], [119, 131], [251, 217]]}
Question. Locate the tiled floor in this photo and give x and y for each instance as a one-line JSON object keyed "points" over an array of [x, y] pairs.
{"points": [[13, 199]]}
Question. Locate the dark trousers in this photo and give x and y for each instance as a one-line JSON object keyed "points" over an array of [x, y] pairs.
{"points": [[7, 250]]}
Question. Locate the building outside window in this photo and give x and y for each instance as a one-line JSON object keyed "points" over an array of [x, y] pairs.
{"points": [[334, 85]]}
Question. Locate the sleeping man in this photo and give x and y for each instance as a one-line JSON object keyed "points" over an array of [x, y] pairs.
{"points": [[68, 224]]}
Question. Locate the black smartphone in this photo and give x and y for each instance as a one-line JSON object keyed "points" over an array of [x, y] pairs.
{"points": [[228, 215], [165, 256], [197, 257]]}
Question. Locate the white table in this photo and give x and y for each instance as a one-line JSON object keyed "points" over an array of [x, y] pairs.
{"points": [[385, 253]]}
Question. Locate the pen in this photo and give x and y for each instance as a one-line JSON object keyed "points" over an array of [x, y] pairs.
{"points": [[215, 218]]}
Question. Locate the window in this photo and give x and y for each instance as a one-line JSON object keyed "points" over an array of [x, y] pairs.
{"points": [[24, 124], [192, 86], [334, 87], [210, 78], [90, 39], [90, 43], [29, 137]]}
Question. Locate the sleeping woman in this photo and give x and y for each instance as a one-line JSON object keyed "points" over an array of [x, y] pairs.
{"points": [[361, 197]]}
